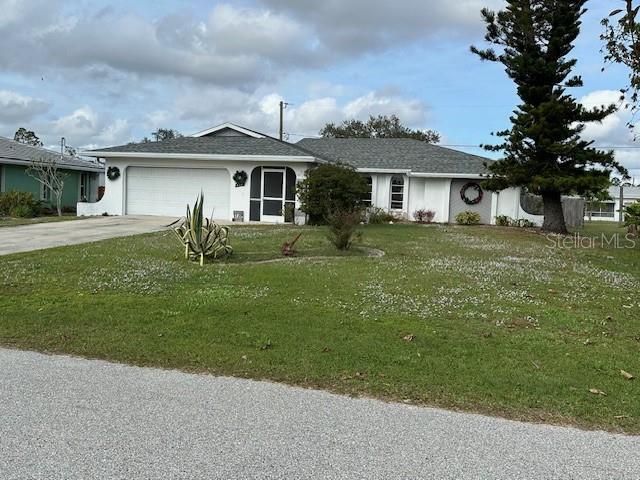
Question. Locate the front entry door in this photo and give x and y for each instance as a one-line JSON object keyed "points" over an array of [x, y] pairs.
{"points": [[273, 194]]}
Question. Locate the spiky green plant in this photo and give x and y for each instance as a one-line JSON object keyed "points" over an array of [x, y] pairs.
{"points": [[202, 237]]}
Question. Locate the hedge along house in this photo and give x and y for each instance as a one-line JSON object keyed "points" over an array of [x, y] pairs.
{"points": [[248, 176], [82, 177]]}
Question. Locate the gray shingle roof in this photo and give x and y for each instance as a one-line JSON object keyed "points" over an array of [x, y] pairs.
{"points": [[20, 153], [213, 146], [395, 153]]}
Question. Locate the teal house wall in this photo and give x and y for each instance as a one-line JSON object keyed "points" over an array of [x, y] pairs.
{"points": [[15, 177]]}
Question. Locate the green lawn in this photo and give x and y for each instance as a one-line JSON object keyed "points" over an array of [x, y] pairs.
{"points": [[499, 321], [12, 222]]}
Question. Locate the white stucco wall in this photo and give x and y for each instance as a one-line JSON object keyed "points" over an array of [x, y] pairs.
{"points": [[508, 203], [420, 193], [114, 200]]}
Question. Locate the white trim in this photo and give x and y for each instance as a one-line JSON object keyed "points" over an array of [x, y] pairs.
{"points": [[446, 200], [495, 196], [470, 176], [230, 126], [99, 169], [383, 170], [202, 156], [409, 173]]}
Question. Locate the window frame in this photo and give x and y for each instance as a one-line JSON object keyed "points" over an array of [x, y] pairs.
{"points": [[368, 200], [83, 187], [599, 212], [45, 193], [393, 204]]}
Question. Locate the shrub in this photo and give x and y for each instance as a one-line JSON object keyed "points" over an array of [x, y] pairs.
{"points": [[506, 221], [524, 223], [343, 228], [377, 216], [18, 204], [330, 188], [468, 218], [503, 221], [632, 217], [22, 211], [201, 237], [424, 216]]}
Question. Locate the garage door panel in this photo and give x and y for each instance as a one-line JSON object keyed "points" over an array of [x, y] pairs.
{"points": [[167, 191]]}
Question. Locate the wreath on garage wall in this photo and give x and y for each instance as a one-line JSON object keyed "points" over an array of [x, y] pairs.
{"points": [[240, 177], [467, 195], [113, 173]]}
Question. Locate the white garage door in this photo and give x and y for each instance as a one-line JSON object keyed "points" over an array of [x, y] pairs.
{"points": [[167, 191]]}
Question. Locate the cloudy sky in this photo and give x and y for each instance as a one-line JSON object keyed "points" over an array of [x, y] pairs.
{"points": [[107, 72]]}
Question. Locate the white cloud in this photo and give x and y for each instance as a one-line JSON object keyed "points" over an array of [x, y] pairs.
{"points": [[16, 108], [410, 111], [614, 130], [208, 107], [82, 122], [233, 46], [83, 127], [353, 26]]}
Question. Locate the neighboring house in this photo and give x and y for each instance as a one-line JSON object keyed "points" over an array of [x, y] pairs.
{"points": [[161, 178], [610, 210], [82, 176]]}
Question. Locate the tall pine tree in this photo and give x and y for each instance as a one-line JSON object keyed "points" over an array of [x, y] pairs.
{"points": [[543, 150]]}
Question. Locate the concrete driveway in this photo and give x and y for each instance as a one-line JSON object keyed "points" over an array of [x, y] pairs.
{"points": [[25, 238], [70, 418]]}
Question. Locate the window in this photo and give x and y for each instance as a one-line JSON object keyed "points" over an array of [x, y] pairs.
{"points": [[601, 209], [83, 191], [397, 192], [368, 198], [45, 193]]}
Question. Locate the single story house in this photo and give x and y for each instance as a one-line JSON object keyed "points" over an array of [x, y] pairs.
{"points": [[611, 209], [82, 176], [249, 176]]}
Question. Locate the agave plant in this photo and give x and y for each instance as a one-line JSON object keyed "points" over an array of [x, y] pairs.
{"points": [[202, 237]]}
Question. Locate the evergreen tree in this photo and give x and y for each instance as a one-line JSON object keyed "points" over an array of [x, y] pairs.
{"points": [[543, 149]]}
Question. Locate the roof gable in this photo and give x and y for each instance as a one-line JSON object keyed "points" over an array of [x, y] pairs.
{"points": [[229, 129]]}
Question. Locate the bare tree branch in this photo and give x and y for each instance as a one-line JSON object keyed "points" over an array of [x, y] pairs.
{"points": [[47, 173]]}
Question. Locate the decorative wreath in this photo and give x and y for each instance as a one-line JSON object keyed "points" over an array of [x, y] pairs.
{"points": [[474, 199], [240, 177], [113, 173]]}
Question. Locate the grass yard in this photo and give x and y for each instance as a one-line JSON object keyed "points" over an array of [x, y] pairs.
{"points": [[12, 222], [485, 319]]}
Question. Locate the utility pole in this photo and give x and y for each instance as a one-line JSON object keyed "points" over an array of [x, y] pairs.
{"points": [[283, 105], [621, 205]]}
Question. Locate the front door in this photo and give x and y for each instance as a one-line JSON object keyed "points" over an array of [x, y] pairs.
{"points": [[273, 195]]}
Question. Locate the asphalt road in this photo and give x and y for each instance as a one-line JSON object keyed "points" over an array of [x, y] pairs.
{"points": [[69, 418]]}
